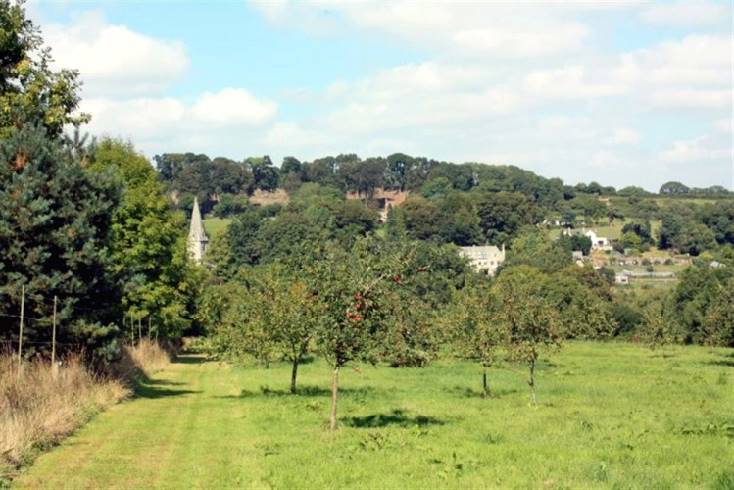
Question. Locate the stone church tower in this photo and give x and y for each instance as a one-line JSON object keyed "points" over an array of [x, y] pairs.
{"points": [[197, 237]]}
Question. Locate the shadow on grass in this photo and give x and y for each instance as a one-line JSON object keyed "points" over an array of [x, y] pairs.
{"points": [[189, 359], [143, 390], [722, 363], [397, 417], [146, 387], [162, 382], [306, 391], [465, 392]]}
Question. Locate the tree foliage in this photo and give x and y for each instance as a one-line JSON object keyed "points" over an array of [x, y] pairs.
{"points": [[146, 243], [718, 324], [31, 93], [55, 222], [476, 332], [503, 214], [531, 322]]}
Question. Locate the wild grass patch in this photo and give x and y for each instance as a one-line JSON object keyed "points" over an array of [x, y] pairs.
{"points": [[42, 404]]}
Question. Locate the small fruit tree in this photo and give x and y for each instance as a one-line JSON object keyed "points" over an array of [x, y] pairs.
{"points": [[352, 286], [476, 334], [529, 320]]}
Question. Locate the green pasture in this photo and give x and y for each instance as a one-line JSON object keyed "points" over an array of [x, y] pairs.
{"points": [[215, 226], [609, 416]]}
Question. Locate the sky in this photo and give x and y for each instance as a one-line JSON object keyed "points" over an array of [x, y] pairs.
{"points": [[620, 92]]}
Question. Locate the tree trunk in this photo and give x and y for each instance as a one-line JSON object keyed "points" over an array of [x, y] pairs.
{"points": [[334, 388], [294, 373], [485, 384], [531, 381]]}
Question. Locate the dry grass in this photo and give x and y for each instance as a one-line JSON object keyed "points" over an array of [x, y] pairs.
{"points": [[149, 356], [43, 405]]}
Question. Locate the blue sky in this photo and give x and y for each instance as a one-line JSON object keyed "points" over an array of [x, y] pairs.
{"points": [[619, 92]]}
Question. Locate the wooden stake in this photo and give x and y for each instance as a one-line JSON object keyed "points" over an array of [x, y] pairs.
{"points": [[53, 339], [20, 337], [140, 331]]}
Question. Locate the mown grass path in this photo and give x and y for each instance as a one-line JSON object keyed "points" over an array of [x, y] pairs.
{"points": [[610, 415]]}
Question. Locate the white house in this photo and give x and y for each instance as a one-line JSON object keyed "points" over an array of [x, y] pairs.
{"points": [[485, 258], [621, 278], [598, 242]]}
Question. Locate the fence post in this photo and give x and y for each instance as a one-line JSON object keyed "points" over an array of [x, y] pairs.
{"points": [[54, 368], [20, 337], [140, 332]]}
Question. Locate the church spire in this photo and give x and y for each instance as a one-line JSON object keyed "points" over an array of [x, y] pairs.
{"points": [[197, 236]]}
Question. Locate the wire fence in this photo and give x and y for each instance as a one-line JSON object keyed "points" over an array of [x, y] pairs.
{"points": [[15, 341], [36, 342]]}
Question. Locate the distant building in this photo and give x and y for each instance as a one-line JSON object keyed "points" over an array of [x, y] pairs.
{"points": [[598, 242], [486, 258], [268, 198], [384, 198], [197, 241], [621, 278]]}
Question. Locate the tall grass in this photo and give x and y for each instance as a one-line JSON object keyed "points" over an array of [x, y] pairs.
{"points": [[43, 404], [147, 356]]}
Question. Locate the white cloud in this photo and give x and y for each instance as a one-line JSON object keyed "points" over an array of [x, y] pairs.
{"points": [[695, 60], [725, 125], [494, 29], [522, 39], [141, 116], [114, 60], [685, 13], [417, 96], [232, 106], [569, 82], [696, 150], [168, 124], [126, 75], [692, 73], [624, 136], [692, 99], [292, 135]]}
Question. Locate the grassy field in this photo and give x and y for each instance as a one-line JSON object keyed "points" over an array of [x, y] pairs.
{"points": [[215, 226], [609, 416], [611, 231]]}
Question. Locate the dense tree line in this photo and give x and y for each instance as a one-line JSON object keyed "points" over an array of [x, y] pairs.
{"points": [[463, 204], [86, 223]]}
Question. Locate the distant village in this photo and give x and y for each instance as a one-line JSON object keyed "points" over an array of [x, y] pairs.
{"points": [[489, 258]]}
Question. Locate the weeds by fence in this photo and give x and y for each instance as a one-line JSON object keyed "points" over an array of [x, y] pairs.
{"points": [[44, 403]]}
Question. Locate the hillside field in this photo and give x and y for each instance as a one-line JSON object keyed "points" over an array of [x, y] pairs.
{"points": [[215, 226], [609, 416]]}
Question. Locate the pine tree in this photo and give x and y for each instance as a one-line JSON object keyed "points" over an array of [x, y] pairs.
{"points": [[54, 228]]}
